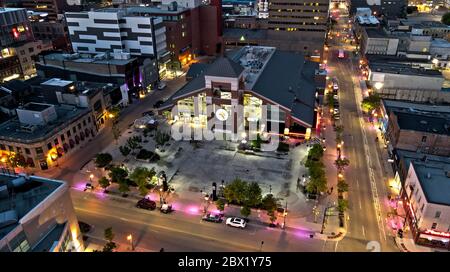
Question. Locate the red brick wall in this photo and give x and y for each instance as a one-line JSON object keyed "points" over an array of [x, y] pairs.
{"points": [[210, 29]]}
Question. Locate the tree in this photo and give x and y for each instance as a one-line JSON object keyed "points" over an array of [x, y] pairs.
{"points": [[104, 182], [253, 195], [330, 100], [342, 205], [245, 211], [269, 203], [316, 152], [125, 150], [109, 236], [272, 216], [220, 204], [124, 187], [103, 159], [373, 101], [116, 131], [318, 181], [257, 143], [446, 18], [234, 192], [118, 174], [341, 163], [342, 186], [132, 143], [142, 176], [339, 129], [161, 137], [114, 112]]}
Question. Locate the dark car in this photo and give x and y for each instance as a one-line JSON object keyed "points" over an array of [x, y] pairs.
{"points": [[148, 113], [88, 186], [216, 218], [146, 204], [158, 104]]}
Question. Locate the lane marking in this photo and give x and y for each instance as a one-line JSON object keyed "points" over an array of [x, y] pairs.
{"points": [[363, 231], [360, 205]]}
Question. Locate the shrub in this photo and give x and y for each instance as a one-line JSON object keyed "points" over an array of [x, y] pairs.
{"points": [[145, 154]]}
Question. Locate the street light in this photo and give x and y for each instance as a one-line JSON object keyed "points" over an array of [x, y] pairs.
{"points": [[130, 238], [91, 176]]}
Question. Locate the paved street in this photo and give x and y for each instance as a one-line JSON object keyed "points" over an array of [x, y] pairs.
{"points": [[181, 231], [366, 177]]}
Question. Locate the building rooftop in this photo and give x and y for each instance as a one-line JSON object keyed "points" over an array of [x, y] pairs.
{"points": [[13, 130], [423, 24], [403, 66], [196, 69], [6, 10], [36, 106], [435, 123], [411, 107], [440, 43], [86, 58], [246, 34], [283, 77], [21, 195], [376, 33], [161, 10], [434, 178], [57, 82]]}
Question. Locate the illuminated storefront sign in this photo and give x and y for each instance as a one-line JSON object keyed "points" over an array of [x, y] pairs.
{"points": [[437, 233]]}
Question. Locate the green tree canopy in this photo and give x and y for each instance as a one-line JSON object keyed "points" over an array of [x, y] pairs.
{"points": [[341, 163], [269, 203], [118, 174], [220, 204], [103, 159], [245, 211], [124, 187], [342, 186], [104, 182], [235, 191], [342, 205], [142, 176], [253, 195], [109, 234], [446, 18], [124, 150], [373, 101]]}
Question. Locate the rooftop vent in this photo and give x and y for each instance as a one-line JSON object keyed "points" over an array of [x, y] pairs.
{"points": [[18, 182]]}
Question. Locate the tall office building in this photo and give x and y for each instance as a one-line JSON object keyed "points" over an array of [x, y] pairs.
{"points": [[303, 23], [115, 30]]}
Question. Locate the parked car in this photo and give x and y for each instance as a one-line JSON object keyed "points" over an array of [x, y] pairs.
{"points": [[88, 186], [162, 85], [236, 222], [166, 208], [336, 111], [216, 218], [158, 104], [146, 204], [149, 113], [335, 97]]}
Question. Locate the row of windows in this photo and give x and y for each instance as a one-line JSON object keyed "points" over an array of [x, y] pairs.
{"points": [[296, 16], [39, 150], [297, 29], [298, 10], [299, 4], [296, 23]]}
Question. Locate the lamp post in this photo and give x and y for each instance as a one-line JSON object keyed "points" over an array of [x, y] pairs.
{"points": [[130, 238], [260, 248], [284, 216], [91, 176]]}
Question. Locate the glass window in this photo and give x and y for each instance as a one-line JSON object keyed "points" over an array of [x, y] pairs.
{"points": [[424, 139], [63, 138], [434, 226], [225, 95], [74, 129], [49, 146], [39, 150], [84, 123], [89, 119], [437, 215], [27, 151], [2, 147], [56, 141], [19, 150], [68, 133], [11, 148], [79, 126]]}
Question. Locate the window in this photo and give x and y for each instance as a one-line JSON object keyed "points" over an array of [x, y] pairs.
{"points": [[74, 129], [63, 138], [84, 123], [79, 126], [2, 147], [421, 208], [31, 49], [434, 226], [437, 215], [27, 151], [68, 134], [56, 141], [49, 146], [424, 139], [225, 95], [11, 148], [19, 150], [183, 34], [39, 150], [89, 119], [22, 52]]}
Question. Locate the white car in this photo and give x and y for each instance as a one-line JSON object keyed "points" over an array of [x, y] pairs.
{"points": [[236, 222], [335, 87], [335, 97]]}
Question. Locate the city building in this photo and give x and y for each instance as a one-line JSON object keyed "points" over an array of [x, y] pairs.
{"points": [[406, 79], [54, 31], [50, 7], [377, 42], [298, 26], [394, 8], [15, 31], [37, 215], [238, 87], [426, 202], [427, 28], [440, 53], [43, 135], [421, 131], [133, 77]]}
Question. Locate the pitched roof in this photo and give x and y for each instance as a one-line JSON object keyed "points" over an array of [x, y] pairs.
{"points": [[196, 69], [289, 81], [224, 67]]}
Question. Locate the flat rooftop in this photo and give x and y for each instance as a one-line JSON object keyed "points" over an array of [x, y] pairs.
{"points": [[436, 123], [377, 33], [36, 106], [85, 58], [155, 10], [401, 66], [11, 130], [6, 10], [57, 82], [26, 196], [411, 107], [434, 181]]}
